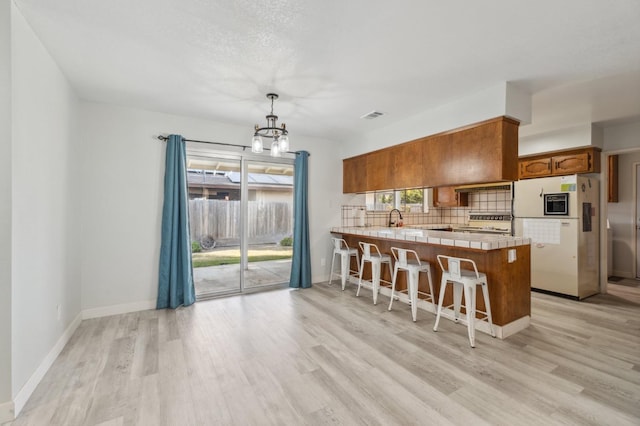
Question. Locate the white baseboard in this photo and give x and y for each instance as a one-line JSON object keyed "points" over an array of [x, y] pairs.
{"points": [[10, 410], [23, 396], [125, 308], [6, 412], [513, 327]]}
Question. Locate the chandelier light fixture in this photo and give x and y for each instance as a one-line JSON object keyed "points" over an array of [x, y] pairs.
{"points": [[280, 135]]}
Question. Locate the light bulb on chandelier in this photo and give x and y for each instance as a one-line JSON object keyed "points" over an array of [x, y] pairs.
{"points": [[275, 148], [279, 135]]}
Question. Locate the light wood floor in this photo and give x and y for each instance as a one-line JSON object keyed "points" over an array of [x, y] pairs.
{"points": [[323, 356], [627, 288]]}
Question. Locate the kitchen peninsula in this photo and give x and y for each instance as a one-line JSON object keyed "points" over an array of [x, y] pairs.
{"points": [[505, 260]]}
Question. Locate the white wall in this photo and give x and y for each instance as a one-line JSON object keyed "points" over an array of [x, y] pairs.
{"points": [[622, 137], [5, 209], [45, 215], [571, 137], [123, 169], [502, 99]]}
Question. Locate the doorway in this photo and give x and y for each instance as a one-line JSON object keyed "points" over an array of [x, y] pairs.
{"points": [[241, 222]]}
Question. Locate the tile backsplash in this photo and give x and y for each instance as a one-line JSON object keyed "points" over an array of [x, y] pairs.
{"points": [[490, 201], [483, 201]]}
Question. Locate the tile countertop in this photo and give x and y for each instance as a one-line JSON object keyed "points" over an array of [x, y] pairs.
{"points": [[430, 236]]}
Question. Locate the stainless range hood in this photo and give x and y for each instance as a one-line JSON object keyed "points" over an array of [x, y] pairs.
{"points": [[494, 186]]}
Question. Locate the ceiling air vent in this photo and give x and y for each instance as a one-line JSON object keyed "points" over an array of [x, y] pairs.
{"points": [[372, 115]]}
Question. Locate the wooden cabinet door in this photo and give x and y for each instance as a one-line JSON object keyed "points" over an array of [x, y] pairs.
{"points": [[354, 175], [437, 160], [448, 197], [407, 166], [574, 163], [379, 170], [535, 168]]}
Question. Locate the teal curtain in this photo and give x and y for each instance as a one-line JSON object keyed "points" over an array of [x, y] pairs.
{"points": [[301, 261], [175, 287]]}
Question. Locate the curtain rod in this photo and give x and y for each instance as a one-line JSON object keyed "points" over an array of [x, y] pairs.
{"points": [[244, 147]]}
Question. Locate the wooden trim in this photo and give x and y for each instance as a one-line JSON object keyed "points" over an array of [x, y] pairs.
{"points": [[612, 182], [560, 152]]}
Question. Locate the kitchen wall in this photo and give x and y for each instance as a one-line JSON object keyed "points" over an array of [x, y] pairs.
{"points": [[45, 209], [622, 137], [481, 201], [585, 134]]}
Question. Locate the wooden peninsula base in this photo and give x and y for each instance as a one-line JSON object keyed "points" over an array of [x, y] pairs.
{"points": [[509, 282]]}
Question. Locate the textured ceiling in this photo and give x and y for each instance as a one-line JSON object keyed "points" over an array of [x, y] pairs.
{"points": [[334, 61]]}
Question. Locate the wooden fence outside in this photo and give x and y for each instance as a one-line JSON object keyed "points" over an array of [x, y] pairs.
{"points": [[268, 222]]}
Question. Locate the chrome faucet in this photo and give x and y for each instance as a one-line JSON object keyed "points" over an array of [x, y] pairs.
{"points": [[399, 214]]}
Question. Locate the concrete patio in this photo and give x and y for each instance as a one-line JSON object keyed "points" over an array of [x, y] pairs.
{"points": [[213, 280]]}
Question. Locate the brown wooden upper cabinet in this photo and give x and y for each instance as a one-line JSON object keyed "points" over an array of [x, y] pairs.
{"points": [[354, 174], [379, 171], [446, 196], [407, 163], [479, 153], [535, 168], [558, 163]]}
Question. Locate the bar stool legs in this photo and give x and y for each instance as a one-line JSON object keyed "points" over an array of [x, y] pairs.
{"points": [[341, 249], [408, 261], [370, 253], [467, 281]]}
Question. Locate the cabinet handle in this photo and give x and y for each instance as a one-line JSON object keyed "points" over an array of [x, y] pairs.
{"points": [[589, 160]]}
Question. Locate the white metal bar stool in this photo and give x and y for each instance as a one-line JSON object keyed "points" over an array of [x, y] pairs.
{"points": [[467, 280], [376, 259], [409, 261], [341, 249]]}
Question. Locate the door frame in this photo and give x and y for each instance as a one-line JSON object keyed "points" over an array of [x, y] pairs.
{"points": [[604, 209]]}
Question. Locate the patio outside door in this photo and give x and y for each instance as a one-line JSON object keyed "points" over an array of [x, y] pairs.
{"points": [[241, 215]]}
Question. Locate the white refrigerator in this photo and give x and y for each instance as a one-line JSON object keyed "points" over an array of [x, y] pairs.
{"points": [[564, 244]]}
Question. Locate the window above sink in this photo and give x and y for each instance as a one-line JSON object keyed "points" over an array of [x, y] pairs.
{"points": [[405, 200]]}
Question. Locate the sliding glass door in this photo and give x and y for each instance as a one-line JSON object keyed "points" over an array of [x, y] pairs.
{"points": [[214, 215], [241, 222], [269, 223]]}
